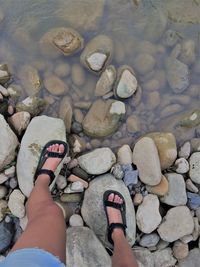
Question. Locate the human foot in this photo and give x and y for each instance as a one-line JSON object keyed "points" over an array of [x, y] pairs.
{"points": [[51, 156], [115, 205]]}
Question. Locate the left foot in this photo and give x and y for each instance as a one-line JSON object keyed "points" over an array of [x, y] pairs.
{"points": [[52, 163]]}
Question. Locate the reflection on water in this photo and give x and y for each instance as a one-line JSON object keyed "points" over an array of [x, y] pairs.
{"points": [[148, 27]]}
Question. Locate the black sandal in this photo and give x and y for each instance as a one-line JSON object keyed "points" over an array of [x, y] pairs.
{"points": [[121, 207], [45, 154]]}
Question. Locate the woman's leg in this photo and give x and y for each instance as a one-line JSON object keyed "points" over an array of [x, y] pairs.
{"points": [[46, 227], [122, 254]]}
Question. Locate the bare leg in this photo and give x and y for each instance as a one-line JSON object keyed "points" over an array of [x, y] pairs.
{"points": [[46, 227], [123, 254]]}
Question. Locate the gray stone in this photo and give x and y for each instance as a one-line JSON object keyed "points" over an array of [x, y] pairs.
{"points": [[145, 157], [185, 150], [8, 143], [75, 220], [61, 182], [164, 258], [192, 260], [31, 146], [177, 223], [117, 171], [6, 234], [191, 119], [97, 53], [144, 256], [149, 240], [97, 161], [170, 38], [16, 203], [187, 55], [55, 85], [20, 121], [3, 191], [191, 187], [66, 112], [82, 255], [176, 195], [148, 216], [106, 81], [194, 162], [99, 122], [181, 165], [180, 250], [3, 207], [93, 210]]}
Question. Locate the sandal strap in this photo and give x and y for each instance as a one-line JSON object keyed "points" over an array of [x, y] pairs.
{"points": [[48, 172], [114, 205], [51, 154], [113, 226]]}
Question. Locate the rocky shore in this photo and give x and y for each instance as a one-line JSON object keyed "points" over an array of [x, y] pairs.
{"points": [[107, 108]]}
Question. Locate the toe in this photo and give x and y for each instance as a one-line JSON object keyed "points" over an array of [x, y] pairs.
{"points": [[56, 147], [61, 148], [111, 197], [116, 199], [49, 148]]}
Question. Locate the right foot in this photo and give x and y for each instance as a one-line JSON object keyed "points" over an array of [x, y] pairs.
{"points": [[114, 215]]}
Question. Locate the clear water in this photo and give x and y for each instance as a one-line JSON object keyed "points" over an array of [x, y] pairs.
{"points": [[130, 23]]}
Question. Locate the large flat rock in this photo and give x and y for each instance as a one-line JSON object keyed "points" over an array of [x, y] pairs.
{"points": [[93, 210], [41, 130], [84, 249]]}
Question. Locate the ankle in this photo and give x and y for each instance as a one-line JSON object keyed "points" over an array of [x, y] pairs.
{"points": [[43, 178], [117, 234]]}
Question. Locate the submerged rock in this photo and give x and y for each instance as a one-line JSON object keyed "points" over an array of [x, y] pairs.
{"points": [[93, 210], [98, 161], [30, 79], [8, 143], [106, 81], [191, 120], [99, 122], [55, 85], [32, 104], [4, 72], [97, 53], [66, 112], [126, 84], [66, 40], [31, 145], [80, 254]]}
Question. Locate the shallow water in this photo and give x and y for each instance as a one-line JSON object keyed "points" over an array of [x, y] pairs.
{"points": [[130, 23]]}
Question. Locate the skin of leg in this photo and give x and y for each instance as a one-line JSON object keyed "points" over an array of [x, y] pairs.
{"points": [[46, 227], [122, 255]]}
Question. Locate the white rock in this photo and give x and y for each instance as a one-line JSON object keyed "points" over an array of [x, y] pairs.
{"points": [[148, 216], [3, 206], [96, 61], [145, 157], [194, 162], [76, 220], [16, 203], [177, 223], [75, 187], [8, 143], [2, 258], [23, 222], [118, 108], [186, 239], [182, 165], [144, 256], [3, 191], [124, 155], [98, 161], [31, 145], [10, 172], [61, 182], [176, 195]]}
